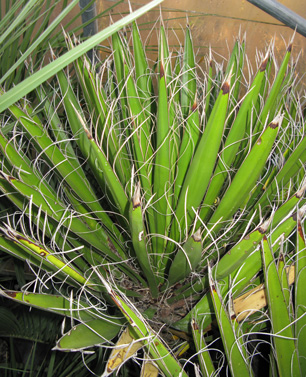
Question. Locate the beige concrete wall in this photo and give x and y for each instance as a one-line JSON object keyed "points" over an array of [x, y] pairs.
{"points": [[218, 23]]}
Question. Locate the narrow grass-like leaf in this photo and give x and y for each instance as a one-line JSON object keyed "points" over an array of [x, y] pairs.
{"points": [[57, 65], [32, 46]]}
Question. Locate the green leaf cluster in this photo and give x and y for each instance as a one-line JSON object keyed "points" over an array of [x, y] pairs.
{"points": [[155, 196]]}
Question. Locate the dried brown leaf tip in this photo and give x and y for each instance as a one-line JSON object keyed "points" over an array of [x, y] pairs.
{"points": [[194, 106], [289, 48], [226, 87], [300, 230], [161, 72], [281, 258], [88, 134], [276, 122], [302, 190], [9, 178], [263, 64], [197, 236], [194, 325], [136, 197], [11, 294]]}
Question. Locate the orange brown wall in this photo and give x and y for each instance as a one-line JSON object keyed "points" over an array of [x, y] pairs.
{"points": [[217, 23]]}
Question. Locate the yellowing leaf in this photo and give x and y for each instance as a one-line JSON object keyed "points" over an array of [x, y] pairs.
{"points": [[125, 348], [149, 369]]}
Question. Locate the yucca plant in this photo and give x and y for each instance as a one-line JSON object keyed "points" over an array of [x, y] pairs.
{"points": [[156, 202]]}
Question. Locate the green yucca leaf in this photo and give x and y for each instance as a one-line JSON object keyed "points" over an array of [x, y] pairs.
{"points": [[245, 253], [66, 167], [54, 303], [267, 113], [243, 274], [164, 56], [57, 129], [140, 242], [142, 72], [89, 334], [246, 176], [61, 214], [17, 251], [158, 352], [188, 90], [242, 250], [162, 168], [286, 354], [191, 134], [209, 85], [197, 178], [172, 83], [186, 259], [105, 134], [32, 247], [233, 142], [120, 59], [240, 62], [292, 166], [140, 134], [300, 281], [206, 364], [235, 352], [100, 166]]}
